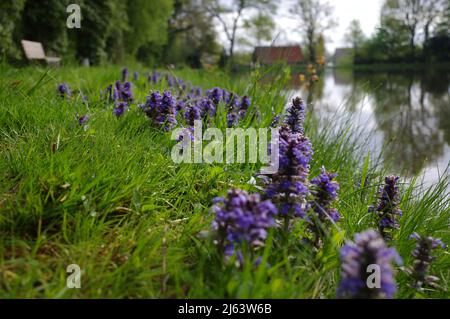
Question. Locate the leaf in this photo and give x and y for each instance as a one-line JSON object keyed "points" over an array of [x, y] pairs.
{"points": [[365, 169]]}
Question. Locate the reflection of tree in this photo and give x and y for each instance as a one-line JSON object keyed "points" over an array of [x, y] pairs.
{"points": [[411, 109], [315, 91], [357, 93], [404, 113], [442, 105]]}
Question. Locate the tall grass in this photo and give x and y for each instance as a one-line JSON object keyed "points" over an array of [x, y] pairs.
{"points": [[109, 198]]}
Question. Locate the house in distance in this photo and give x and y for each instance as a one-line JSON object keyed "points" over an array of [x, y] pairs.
{"points": [[269, 55]]}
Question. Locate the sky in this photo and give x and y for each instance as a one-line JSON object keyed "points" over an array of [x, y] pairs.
{"points": [[366, 11]]}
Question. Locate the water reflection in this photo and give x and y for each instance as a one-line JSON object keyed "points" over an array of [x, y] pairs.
{"points": [[409, 110]]}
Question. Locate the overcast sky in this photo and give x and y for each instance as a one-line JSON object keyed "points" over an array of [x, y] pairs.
{"points": [[366, 11]]}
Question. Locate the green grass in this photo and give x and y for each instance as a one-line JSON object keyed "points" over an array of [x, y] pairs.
{"points": [[110, 199]]}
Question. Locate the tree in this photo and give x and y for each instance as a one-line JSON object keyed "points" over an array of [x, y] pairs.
{"points": [[260, 27], [432, 11], [315, 18], [230, 15], [191, 34], [148, 26], [45, 21], [10, 20], [321, 51], [355, 35], [92, 37], [408, 15], [118, 25], [385, 46]]}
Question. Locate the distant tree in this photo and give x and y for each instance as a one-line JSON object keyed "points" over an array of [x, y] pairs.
{"points": [[432, 11], [408, 14], [315, 18], [118, 26], [191, 34], [10, 21], [320, 50], [387, 45], [436, 48], [230, 13], [91, 38], [148, 26], [355, 35], [45, 21], [260, 27]]}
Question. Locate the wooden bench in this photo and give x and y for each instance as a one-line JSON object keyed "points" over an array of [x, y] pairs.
{"points": [[35, 51]]}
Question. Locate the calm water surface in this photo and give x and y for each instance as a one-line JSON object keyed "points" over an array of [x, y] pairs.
{"points": [[408, 110]]}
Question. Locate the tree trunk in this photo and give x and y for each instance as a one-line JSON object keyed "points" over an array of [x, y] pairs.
{"points": [[233, 33], [412, 44], [426, 32], [231, 50], [311, 48]]}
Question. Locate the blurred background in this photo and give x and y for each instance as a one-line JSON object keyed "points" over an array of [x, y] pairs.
{"points": [[202, 33]]}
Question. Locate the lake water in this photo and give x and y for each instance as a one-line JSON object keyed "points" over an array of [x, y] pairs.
{"points": [[409, 110]]}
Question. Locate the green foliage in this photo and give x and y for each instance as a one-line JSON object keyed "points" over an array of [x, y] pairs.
{"points": [[221, 12], [45, 21], [148, 26], [191, 36], [10, 15], [314, 19], [402, 23], [355, 35], [110, 29], [260, 27], [115, 44]]}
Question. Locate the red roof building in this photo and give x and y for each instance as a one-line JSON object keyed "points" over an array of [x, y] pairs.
{"points": [[271, 55]]}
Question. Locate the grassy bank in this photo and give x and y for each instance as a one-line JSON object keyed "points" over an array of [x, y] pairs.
{"points": [[108, 197]]}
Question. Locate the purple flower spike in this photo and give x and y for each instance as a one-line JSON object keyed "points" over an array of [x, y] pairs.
{"points": [[324, 190], [245, 102], [170, 80], [242, 218], [161, 109], [387, 208], [120, 108], [231, 119], [289, 186], [296, 115], [196, 91], [207, 107], [127, 94], [83, 119], [368, 249], [191, 114], [135, 76], [275, 121], [64, 90], [422, 259], [154, 77], [215, 94], [125, 74], [120, 92], [117, 91]]}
